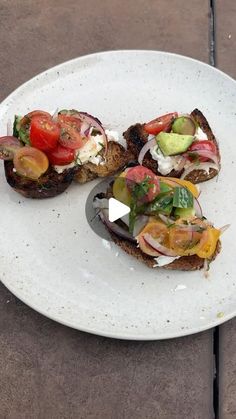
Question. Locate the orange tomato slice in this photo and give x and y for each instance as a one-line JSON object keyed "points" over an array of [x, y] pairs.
{"points": [[189, 185], [208, 243], [30, 162], [157, 230]]}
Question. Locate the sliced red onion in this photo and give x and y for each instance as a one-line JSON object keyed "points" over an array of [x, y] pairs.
{"points": [[188, 227], [94, 122], [100, 203], [181, 164], [207, 154], [55, 115], [9, 128], [157, 254], [149, 144], [115, 228], [206, 266], [224, 228], [8, 146], [165, 219], [85, 129], [139, 224], [198, 208], [202, 166], [158, 247]]}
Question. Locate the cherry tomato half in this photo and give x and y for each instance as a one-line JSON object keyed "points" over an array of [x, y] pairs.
{"points": [[138, 174], [8, 146], [162, 123], [27, 118], [72, 120], [158, 231], [44, 133], [30, 162], [70, 136], [61, 155], [206, 145], [207, 247]]}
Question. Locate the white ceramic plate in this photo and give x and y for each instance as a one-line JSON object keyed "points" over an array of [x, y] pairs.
{"points": [[54, 262]]}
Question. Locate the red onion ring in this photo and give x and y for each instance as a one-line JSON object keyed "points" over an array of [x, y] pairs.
{"points": [[9, 128], [149, 144], [205, 153], [198, 208], [85, 129], [55, 115], [165, 219], [115, 228], [158, 247], [224, 228], [202, 166], [181, 164], [94, 122], [157, 254]]}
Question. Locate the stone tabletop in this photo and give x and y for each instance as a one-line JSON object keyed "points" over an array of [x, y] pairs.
{"points": [[48, 371]]}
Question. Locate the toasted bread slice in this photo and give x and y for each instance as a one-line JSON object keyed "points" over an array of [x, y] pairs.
{"points": [[184, 263], [136, 137], [116, 158], [50, 184]]}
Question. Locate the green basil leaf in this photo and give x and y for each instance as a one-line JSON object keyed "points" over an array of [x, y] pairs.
{"points": [[162, 205]]}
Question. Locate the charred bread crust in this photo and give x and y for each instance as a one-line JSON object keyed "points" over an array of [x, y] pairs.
{"points": [[184, 263], [116, 158], [136, 137], [198, 176], [50, 184]]}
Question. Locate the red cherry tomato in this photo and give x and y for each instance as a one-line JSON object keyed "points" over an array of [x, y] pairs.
{"points": [[69, 119], [8, 146], [38, 113], [206, 145], [138, 174], [44, 133], [60, 155], [162, 123], [70, 136], [24, 122]]}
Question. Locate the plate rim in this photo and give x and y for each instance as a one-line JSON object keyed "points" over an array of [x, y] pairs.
{"points": [[152, 336], [110, 52], [184, 332]]}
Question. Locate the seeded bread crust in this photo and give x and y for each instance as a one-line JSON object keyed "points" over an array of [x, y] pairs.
{"points": [[136, 137]]}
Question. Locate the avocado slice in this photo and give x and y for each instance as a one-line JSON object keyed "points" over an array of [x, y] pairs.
{"points": [[184, 125], [171, 143], [184, 212]]}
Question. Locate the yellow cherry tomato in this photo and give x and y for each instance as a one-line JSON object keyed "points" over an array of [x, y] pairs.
{"points": [[208, 243], [171, 181], [30, 162], [157, 230], [120, 190]]}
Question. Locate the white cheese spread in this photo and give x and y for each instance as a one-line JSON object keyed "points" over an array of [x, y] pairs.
{"points": [[165, 163], [60, 169], [200, 135], [164, 260]]}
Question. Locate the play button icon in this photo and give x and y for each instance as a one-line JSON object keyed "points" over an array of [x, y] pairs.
{"points": [[116, 209]]}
